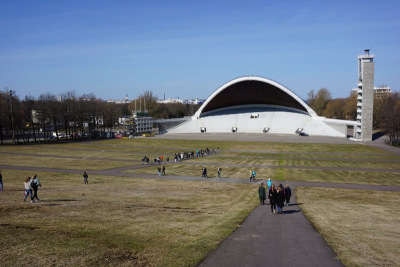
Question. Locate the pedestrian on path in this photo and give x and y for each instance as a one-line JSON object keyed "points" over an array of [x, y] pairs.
{"points": [[159, 170], [35, 184], [269, 183], [204, 173], [219, 172], [280, 199], [271, 198], [262, 194], [1, 182], [85, 177], [288, 194], [28, 190], [163, 169]]}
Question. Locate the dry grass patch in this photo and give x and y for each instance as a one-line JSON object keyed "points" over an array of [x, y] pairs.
{"points": [[361, 226], [337, 176], [117, 221], [61, 163]]}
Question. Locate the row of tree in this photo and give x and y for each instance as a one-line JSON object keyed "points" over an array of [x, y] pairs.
{"points": [[71, 116], [386, 114]]}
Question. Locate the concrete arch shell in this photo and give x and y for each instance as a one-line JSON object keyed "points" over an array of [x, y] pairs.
{"points": [[253, 90]]}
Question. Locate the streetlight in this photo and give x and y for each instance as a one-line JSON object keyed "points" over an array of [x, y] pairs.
{"points": [[12, 117]]}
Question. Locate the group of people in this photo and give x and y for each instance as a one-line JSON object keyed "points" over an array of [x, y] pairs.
{"points": [[253, 176], [32, 185], [204, 172], [161, 171], [277, 197]]}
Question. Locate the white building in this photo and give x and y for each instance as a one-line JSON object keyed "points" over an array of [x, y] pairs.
{"points": [[254, 104]]}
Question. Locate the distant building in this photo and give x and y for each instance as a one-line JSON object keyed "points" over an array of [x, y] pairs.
{"points": [[382, 92], [124, 120], [119, 101], [180, 101], [170, 101], [379, 91], [143, 122]]}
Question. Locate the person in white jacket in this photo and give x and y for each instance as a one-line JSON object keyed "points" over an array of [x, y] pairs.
{"points": [[28, 190]]}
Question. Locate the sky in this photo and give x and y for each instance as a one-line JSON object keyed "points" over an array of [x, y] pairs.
{"points": [[188, 49]]}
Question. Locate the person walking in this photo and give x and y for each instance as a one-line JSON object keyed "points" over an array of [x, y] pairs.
{"points": [[219, 172], [254, 176], [159, 170], [35, 183], [204, 173], [262, 194], [85, 177], [269, 183], [288, 194], [28, 190], [280, 199], [251, 176], [163, 169], [271, 198], [1, 182]]}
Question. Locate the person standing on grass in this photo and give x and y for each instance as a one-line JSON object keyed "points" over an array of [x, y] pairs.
{"points": [[280, 199], [28, 190], [262, 194], [288, 194], [35, 183], [163, 169], [85, 177], [271, 198], [1, 182]]}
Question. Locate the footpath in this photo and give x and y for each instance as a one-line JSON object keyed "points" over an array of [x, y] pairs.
{"points": [[266, 239]]}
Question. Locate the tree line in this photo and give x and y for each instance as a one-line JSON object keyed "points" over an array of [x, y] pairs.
{"points": [[386, 114], [70, 116]]}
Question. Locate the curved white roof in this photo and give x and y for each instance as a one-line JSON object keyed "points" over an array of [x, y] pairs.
{"points": [[269, 82]]}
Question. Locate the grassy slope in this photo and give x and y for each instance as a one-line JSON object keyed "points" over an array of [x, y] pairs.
{"points": [[117, 221], [361, 226]]}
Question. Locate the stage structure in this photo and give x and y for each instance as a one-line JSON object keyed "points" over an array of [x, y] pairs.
{"points": [[253, 104]]}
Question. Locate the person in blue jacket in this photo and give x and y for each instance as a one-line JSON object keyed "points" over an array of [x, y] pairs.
{"points": [[269, 183]]}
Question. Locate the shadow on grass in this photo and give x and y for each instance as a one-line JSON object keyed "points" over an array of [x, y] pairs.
{"points": [[61, 200]]}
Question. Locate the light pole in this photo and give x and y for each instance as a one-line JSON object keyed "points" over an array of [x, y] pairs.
{"points": [[12, 117]]}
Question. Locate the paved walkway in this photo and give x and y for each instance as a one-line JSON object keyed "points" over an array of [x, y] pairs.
{"points": [[266, 239]]}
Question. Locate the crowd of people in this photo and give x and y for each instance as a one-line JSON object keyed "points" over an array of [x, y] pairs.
{"points": [[277, 197]]}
